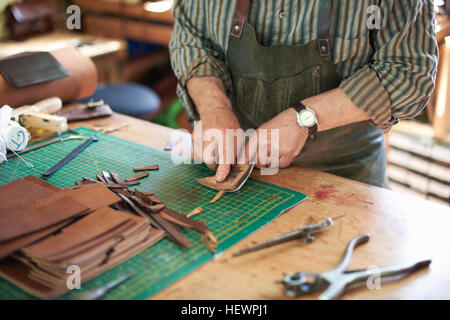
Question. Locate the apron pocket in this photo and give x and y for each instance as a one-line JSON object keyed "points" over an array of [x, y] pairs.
{"points": [[259, 100]]}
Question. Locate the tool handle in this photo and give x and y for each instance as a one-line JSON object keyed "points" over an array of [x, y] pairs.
{"points": [[340, 268], [50, 105], [69, 157]]}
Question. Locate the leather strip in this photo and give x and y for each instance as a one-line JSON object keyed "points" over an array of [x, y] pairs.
{"points": [[69, 157], [323, 27], [240, 15]]}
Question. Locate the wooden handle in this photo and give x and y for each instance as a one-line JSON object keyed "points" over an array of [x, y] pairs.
{"points": [[50, 105]]}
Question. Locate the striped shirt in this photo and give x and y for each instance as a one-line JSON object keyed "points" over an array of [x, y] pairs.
{"points": [[387, 61]]}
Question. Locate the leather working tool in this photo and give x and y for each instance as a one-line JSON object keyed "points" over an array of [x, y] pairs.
{"points": [[304, 232], [69, 157], [45, 143], [99, 292], [338, 279]]}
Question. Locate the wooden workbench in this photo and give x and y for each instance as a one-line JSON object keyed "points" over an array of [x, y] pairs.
{"points": [[403, 229]]}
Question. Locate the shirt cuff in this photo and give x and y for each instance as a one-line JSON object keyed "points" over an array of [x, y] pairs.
{"points": [[202, 67], [366, 91]]}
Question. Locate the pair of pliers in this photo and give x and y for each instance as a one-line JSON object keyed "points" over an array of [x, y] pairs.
{"points": [[338, 279]]}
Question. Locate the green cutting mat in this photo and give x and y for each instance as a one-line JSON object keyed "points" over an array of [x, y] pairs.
{"points": [[231, 219]]}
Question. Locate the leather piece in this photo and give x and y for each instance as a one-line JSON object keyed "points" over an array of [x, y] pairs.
{"points": [[12, 194], [9, 247], [26, 18], [31, 280], [239, 174], [240, 15], [42, 183], [190, 223], [30, 68], [137, 177], [27, 11], [39, 215], [95, 196], [81, 82], [83, 231], [19, 273], [85, 113]]}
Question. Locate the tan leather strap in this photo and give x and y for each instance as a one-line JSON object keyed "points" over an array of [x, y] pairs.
{"points": [[240, 15]]}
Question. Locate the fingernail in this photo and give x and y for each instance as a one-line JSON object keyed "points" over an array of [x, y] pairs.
{"points": [[220, 176]]}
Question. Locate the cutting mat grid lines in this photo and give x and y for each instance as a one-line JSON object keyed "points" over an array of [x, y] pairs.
{"points": [[231, 219]]}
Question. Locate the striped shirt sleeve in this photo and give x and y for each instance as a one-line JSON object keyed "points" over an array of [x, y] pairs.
{"points": [[193, 53], [399, 79]]}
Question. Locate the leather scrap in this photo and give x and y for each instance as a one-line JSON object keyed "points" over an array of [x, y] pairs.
{"points": [[39, 215], [12, 194], [83, 231], [147, 168], [95, 196], [137, 177], [9, 247]]}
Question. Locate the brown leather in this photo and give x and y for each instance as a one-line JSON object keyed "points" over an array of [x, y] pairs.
{"points": [[81, 83], [42, 183], [8, 247], [29, 17], [137, 177], [240, 15], [95, 196], [19, 193], [85, 113], [25, 278], [187, 222], [39, 215], [83, 231]]}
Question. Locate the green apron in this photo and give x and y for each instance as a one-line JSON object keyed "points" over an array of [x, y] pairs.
{"points": [[268, 80]]}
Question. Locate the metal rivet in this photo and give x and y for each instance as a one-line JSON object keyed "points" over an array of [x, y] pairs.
{"points": [[236, 27], [324, 48], [282, 15]]}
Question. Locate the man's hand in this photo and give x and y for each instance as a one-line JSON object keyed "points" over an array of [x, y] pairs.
{"points": [[210, 141], [291, 139], [215, 146]]}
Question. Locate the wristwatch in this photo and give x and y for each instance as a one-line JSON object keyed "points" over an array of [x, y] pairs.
{"points": [[306, 118]]}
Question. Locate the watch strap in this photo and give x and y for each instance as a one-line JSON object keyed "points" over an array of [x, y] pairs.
{"points": [[298, 107]]}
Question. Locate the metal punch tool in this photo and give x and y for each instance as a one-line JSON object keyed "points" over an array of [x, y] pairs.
{"points": [[338, 279]]}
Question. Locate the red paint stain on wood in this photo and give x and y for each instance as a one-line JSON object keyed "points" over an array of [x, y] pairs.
{"points": [[326, 191]]}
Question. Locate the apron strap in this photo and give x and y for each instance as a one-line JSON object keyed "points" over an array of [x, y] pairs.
{"points": [[240, 15], [323, 27]]}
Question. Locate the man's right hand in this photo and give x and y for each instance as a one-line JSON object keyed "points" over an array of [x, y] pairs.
{"points": [[218, 138]]}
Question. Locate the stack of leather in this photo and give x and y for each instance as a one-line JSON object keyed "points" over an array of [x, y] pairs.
{"points": [[45, 229]]}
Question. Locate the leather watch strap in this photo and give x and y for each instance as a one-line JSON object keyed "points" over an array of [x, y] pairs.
{"points": [[311, 130]]}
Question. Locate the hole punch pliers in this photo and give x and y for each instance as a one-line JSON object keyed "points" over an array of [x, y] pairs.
{"points": [[338, 279]]}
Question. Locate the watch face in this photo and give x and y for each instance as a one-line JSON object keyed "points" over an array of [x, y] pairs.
{"points": [[307, 118]]}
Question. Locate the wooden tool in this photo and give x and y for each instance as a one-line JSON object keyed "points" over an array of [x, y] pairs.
{"points": [[236, 179], [49, 106], [39, 115]]}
